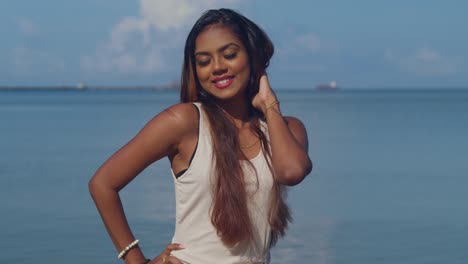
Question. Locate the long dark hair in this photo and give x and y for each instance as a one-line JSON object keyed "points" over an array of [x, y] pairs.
{"points": [[229, 214]]}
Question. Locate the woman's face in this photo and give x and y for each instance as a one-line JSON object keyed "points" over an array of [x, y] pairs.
{"points": [[222, 63]]}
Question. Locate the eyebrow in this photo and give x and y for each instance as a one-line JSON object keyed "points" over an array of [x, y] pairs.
{"points": [[223, 48]]}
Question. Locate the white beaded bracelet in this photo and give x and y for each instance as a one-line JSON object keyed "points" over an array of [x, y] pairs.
{"points": [[127, 248]]}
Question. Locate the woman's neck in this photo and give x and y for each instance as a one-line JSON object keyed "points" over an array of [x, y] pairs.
{"points": [[237, 111]]}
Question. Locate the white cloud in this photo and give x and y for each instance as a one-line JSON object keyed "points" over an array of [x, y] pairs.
{"points": [[424, 61], [26, 60], [166, 15], [304, 52], [428, 55], [145, 43], [27, 27], [126, 53], [309, 41]]}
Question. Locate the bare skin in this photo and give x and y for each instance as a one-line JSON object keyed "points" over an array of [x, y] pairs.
{"points": [[288, 138], [174, 133]]}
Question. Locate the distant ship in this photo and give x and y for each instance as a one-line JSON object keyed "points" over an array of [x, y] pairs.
{"points": [[81, 86], [331, 86]]}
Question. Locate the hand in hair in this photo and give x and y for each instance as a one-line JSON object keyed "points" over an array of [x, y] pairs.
{"points": [[265, 97], [288, 138]]}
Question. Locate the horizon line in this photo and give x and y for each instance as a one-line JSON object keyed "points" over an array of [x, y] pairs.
{"points": [[176, 88]]}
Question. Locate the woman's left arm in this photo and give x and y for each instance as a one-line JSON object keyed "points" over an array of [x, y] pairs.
{"points": [[288, 138]]}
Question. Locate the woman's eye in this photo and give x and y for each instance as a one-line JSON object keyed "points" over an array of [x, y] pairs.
{"points": [[230, 56], [203, 63]]}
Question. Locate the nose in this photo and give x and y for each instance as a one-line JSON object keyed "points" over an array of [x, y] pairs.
{"points": [[219, 67]]}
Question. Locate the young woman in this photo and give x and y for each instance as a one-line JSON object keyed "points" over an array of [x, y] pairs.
{"points": [[231, 152]]}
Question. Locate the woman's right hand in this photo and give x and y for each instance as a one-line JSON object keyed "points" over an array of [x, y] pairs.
{"points": [[165, 256]]}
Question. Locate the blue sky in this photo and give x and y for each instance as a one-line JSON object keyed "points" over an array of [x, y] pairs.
{"points": [[360, 44]]}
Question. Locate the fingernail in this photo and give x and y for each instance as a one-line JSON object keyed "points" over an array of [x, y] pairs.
{"points": [[181, 246]]}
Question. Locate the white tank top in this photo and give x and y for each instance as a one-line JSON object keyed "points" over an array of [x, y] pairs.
{"points": [[193, 190]]}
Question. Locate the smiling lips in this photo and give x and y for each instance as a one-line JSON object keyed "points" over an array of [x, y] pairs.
{"points": [[223, 82]]}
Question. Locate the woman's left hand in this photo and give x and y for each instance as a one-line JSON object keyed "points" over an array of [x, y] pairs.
{"points": [[265, 96], [165, 256]]}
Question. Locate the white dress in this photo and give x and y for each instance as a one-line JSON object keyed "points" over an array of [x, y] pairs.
{"points": [[193, 190]]}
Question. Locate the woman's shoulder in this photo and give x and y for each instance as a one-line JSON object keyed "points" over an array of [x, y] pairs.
{"points": [[179, 118], [182, 110], [184, 114]]}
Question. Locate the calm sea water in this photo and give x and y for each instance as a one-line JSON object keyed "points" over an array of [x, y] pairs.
{"points": [[389, 184]]}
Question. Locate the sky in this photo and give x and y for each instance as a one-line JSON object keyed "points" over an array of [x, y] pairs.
{"points": [[367, 44]]}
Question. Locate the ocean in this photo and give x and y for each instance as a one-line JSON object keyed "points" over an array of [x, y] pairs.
{"points": [[389, 183]]}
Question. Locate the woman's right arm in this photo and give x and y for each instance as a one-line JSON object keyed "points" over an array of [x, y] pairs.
{"points": [[161, 137]]}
